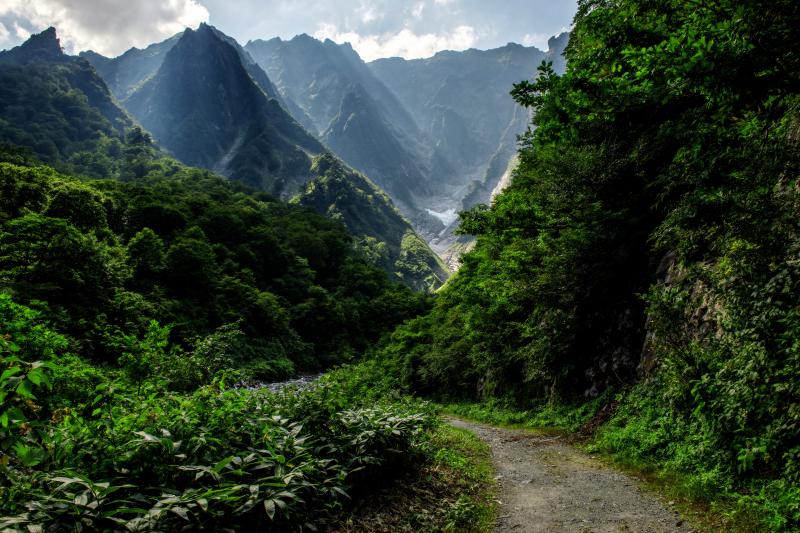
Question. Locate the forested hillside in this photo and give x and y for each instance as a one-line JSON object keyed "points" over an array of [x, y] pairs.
{"points": [[646, 251], [384, 235], [105, 259]]}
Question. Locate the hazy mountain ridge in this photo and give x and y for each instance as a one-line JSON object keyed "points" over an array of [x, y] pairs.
{"points": [[354, 114], [461, 100], [361, 135], [124, 74], [204, 107], [202, 104], [317, 75], [435, 133]]}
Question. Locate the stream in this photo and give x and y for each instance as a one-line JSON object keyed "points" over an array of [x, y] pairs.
{"points": [[300, 383]]}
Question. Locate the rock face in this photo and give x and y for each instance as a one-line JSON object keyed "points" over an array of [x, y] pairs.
{"points": [[361, 135], [437, 134], [205, 108], [461, 102], [338, 97]]}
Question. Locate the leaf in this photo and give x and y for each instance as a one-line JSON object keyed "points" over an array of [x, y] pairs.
{"points": [[10, 372], [37, 377], [25, 389], [146, 436], [269, 507], [342, 492], [180, 511], [222, 464]]}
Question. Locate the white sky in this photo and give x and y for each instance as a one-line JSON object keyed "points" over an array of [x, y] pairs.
{"points": [[375, 28]]}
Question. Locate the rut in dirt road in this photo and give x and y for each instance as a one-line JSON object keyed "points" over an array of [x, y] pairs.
{"points": [[547, 485]]}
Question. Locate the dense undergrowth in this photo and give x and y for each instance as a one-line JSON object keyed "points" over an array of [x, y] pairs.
{"points": [[452, 490], [85, 448], [645, 251]]}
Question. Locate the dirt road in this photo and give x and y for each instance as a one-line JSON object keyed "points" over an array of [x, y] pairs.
{"points": [[547, 485]]}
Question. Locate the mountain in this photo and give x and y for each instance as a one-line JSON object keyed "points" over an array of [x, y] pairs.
{"points": [[204, 107], [461, 101], [124, 74], [386, 237], [318, 75], [56, 104], [355, 114], [212, 106], [437, 134], [361, 135]]}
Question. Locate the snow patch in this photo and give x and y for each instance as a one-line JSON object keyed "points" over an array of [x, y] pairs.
{"points": [[447, 217]]}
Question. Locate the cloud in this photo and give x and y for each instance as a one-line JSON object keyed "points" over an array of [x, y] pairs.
{"points": [[21, 33], [106, 26], [539, 40], [368, 13], [405, 43]]}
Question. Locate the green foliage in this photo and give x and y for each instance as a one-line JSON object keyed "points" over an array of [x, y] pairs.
{"points": [[210, 459], [387, 239], [469, 458], [191, 250], [656, 205], [133, 455]]}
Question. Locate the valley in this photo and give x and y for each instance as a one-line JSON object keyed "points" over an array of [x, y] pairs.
{"points": [[419, 146], [495, 288]]}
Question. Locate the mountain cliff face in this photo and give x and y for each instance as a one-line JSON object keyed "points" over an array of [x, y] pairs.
{"points": [[461, 101], [318, 75], [361, 135], [353, 113], [437, 134], [204, 107]]}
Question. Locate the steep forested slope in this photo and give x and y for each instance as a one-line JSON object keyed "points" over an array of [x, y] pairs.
{"points": [[59, 107], [650, 235], [196, 252], [384, 236]]}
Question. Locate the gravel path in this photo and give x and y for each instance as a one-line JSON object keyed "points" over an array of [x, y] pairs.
{"points": [[547, 485]]}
